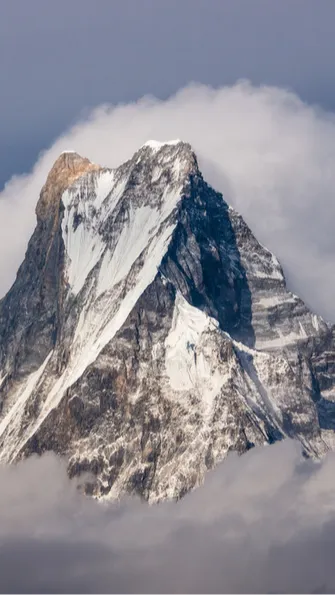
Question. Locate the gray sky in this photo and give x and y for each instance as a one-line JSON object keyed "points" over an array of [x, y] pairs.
{"points": [[59, 58]]}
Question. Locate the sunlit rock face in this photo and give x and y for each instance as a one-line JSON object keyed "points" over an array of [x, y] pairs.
{"points": [[148, 333]]}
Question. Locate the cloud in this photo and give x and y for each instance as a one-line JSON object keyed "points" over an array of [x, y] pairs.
{"points": [[270, 154], [264, 522]]}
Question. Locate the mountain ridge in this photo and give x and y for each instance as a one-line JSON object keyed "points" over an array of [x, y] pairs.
{"points": [[148, 333]]}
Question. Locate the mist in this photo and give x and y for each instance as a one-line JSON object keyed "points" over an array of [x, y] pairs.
{"points": [[263, 522]]}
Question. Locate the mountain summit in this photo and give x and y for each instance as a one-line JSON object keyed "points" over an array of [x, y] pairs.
{"points": [[148, 333]]}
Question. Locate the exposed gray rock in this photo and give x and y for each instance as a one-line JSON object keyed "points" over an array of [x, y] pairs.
{"points": [[148, 333]]}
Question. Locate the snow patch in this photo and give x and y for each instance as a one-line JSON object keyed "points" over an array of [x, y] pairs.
{"points": [[276, 300], [316, 322], [256, 365], [2, 379], [264, 267], [303, 333], [29, 385], [189, 359], [156, 145], [281, 340], [84, 210], [134, 237]]}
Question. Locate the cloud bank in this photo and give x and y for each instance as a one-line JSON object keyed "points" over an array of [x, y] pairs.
{"points": [[261, 523], [270, 154]]}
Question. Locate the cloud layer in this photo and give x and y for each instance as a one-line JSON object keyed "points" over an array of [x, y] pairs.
{"points": [[263, 522], [270, 154]]}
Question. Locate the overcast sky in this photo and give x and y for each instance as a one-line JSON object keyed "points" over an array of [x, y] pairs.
{"points": [[60, 58]]}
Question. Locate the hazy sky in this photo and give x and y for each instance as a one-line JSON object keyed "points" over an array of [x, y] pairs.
{"points": [[60, 58]]}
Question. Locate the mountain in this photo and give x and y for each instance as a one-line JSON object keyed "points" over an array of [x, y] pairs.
{"points": [[148, 333]]}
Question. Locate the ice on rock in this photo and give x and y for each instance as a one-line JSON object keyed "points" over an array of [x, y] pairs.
{"points": [[156, 342], [156, 145]]}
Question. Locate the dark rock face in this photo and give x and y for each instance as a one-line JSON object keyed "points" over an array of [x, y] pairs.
{"points": [[203, 262], [148, 333]]}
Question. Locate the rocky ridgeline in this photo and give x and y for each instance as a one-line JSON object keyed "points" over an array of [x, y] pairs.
{"points": [[148, 333]]}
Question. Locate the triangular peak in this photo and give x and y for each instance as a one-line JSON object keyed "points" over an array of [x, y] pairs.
{"points": [[67, 168]]}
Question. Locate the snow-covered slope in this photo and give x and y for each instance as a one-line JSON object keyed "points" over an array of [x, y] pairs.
{"points": [[148, 332]]}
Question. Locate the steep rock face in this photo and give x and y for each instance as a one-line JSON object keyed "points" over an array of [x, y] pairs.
{"points": [[148, 332], [29, 314]]}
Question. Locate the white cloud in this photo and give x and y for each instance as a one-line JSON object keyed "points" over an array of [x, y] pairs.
{"points": [[270, 154], [263, 522]]}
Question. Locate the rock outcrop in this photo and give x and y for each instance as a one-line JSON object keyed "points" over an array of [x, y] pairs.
{"points": [[148, 333]]}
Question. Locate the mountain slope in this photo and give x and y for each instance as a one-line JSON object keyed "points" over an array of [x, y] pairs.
{"points": [[148, 332]]}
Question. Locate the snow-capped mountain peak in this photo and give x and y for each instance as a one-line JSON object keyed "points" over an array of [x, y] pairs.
{"points": [[148, 332]]}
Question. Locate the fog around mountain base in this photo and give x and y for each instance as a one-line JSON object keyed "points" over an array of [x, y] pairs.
{"points": [[263, 522]]}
